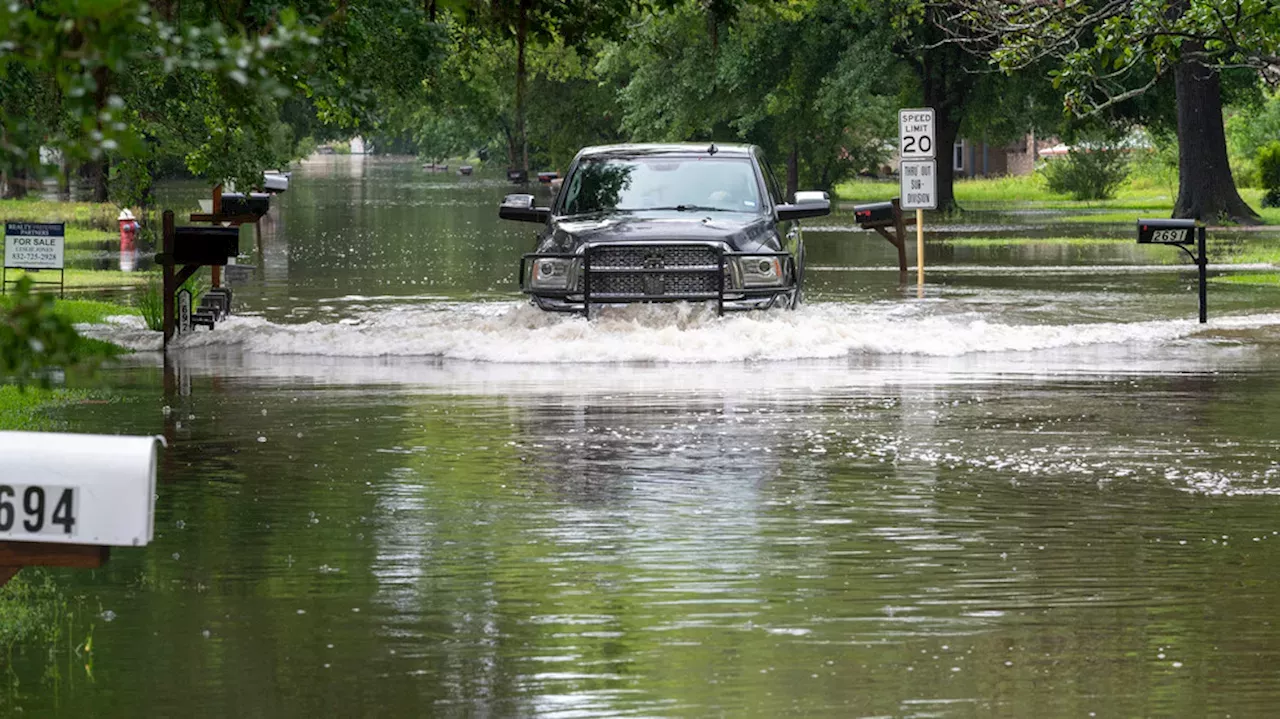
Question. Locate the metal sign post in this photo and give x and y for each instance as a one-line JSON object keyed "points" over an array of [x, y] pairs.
{"points": [[1180, 233], [918, 173]]}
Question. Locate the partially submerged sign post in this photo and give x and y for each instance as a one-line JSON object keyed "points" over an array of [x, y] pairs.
{"points": [[34, 246], [66, 498], [190, 248], [184, 311], [1180, 234], [918, 172]]}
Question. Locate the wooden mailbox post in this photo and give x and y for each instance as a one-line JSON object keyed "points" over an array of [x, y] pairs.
{"points": [[191, 248], [880, 216], [65, 499], [233, 209]]}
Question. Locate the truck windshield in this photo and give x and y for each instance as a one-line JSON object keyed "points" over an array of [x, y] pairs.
{"points": [[662, 183]]}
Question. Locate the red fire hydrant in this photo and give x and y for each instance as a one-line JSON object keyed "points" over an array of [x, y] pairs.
{"points": [[128, 240]]}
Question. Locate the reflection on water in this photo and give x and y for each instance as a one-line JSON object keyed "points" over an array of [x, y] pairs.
{"points": [[1023, 495]]}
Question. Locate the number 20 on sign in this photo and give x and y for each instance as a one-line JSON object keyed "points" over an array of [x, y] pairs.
{"points": [[915, 134]]}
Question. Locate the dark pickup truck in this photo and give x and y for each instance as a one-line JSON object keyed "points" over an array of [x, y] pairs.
{"points": [[666, 223]]}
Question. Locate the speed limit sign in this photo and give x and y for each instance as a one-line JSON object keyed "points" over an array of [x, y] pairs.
{"points": [[915, 134]]}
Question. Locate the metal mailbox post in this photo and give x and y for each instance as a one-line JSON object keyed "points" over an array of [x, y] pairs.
{"points": [[66, 498], [1180, 234]]}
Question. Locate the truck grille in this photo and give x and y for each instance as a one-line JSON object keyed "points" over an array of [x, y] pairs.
{"points": [[637, 255], [629, 273]]}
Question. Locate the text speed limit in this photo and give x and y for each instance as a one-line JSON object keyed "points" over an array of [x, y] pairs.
{"points": [[915, 134]]}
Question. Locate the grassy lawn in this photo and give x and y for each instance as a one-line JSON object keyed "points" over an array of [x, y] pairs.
{"points": [[83, 239], [85, 279], [1006, 241], [1141, 196], [1264, 279], [27, 408], [99, 216]]}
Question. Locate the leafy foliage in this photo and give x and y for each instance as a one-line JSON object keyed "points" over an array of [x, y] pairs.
{"points": [[804, 79], [1088, 172], [34, 338], [1269, 172]]}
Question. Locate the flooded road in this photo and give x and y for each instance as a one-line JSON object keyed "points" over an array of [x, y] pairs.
{"points": [[394, 490]]}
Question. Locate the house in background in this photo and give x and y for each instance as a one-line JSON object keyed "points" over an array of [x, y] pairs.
{"points": [[976, 158]]}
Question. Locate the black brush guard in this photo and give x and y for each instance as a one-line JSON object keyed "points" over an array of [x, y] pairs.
{"points": [[723, 259]]}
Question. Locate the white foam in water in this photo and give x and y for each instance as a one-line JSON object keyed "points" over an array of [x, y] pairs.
{"points": [[518, 333]]}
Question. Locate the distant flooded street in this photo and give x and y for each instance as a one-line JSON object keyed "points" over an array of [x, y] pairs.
{"points": [[394, 489]]}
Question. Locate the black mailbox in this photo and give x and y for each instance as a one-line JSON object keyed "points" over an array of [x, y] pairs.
{"points": [[876, 214], [517, 176], [1166, 232], [205, 245], [236, 203]]}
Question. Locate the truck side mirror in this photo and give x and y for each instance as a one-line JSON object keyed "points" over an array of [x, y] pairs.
{"points": [[813, 203], [520, 208]]}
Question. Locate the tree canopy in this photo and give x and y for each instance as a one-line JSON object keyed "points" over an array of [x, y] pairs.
{"points": [[125, 91]]}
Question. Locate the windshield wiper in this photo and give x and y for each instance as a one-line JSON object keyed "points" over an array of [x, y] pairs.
{"points": [[691, 208]]}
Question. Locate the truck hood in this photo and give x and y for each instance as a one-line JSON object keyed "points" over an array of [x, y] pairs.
{"points": [[741, 232]]}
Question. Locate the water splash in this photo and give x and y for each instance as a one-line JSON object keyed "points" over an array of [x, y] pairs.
{"points": [[517, 333]]}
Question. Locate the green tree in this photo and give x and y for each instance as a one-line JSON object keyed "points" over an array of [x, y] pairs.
{"points": [[800, 80], [538, 23], [1106, 53]]}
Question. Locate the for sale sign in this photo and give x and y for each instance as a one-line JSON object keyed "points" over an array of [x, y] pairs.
{"points": [[34, 245]]}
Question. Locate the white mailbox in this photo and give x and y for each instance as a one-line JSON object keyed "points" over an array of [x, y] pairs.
{"points": [[77, 488]]}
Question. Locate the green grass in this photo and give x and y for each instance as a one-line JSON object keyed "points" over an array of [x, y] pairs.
{"points": [[99, 216], [84, 239], [82, 311], [1266, 279], [27, 408], [85, 312], [1006, 241], [85, 279], [1142, 195]]}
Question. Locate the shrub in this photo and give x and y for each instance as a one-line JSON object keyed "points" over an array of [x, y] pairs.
{"points": [[151, 299], [151, 303], [1269, 173], [34, 338], [1088, 173]]}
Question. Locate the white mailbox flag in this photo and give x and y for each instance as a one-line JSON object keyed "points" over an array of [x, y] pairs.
{"points": [[77, 488]]}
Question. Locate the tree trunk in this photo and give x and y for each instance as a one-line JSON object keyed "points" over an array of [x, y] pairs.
{"points": [[793, 171], [94, 175], [64, 178], [947, 128], [1206, 189], [15, 186], [522, 36]]}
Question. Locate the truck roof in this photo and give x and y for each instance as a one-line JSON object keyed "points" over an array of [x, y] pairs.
{"points": [[682, 148]]}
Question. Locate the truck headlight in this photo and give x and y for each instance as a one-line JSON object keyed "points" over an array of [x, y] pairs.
{"points": [[551, 273], [760, 271]]}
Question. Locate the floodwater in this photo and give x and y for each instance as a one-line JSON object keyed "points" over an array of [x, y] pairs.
{"points": [[392, 489]]}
